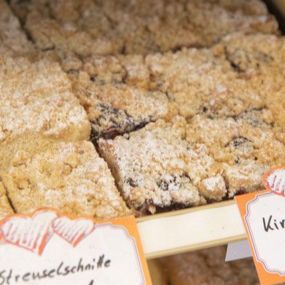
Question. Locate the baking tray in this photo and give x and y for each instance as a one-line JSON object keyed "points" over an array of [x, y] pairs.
{"points": [[200, 227]]}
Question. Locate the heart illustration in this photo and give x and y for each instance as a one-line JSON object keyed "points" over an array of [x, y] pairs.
{"points": [[31, 233], [275, 181], [73, 231]]}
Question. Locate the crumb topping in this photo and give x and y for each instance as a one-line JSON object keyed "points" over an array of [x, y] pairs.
{"points": [[84, 28], [37, 98], [246, 146], [156, 168], [68, 176], [119, 108]]}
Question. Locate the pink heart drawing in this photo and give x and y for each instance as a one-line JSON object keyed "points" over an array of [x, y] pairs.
{"points": [[31, 233], [73, 231], [275, 181]]}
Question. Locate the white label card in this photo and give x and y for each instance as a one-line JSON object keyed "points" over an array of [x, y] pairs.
{"points": [[265, 221], [47, 249], [263, 215]]}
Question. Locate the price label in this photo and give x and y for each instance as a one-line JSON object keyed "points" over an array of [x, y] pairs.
{"points": [[263, 215], [46, 248]]}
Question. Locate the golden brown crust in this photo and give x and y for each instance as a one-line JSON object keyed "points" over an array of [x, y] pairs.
{"points": [[156, 169], [83, 28], [199, 82], [194, 81], [37, 97], [159, 166], [259, 61], [246, 145], [70, 177], [115, 109]]}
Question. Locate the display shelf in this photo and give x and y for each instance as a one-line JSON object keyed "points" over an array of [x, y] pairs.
{"points": [[191, 229]]}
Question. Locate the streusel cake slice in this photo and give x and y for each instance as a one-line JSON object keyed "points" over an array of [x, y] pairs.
{"points": [[70, 177], [246, 145], [115, 109], [156, 169], [37, 97]]}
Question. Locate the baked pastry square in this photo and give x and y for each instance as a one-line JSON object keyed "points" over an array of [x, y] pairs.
{"points": [[115, 109], [259, 60], [197, 81], [246, 145], [156, 169], [37, 97], [70, 177]]}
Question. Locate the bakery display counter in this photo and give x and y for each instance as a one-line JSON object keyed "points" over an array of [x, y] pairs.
{"points": [[124, 119]]}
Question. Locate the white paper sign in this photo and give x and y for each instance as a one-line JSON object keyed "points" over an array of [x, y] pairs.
{"points": [[265, 221], [47, 249]]}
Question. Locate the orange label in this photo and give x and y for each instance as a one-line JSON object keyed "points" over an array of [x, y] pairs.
{"points": [[263, 215], [46, 248]]}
